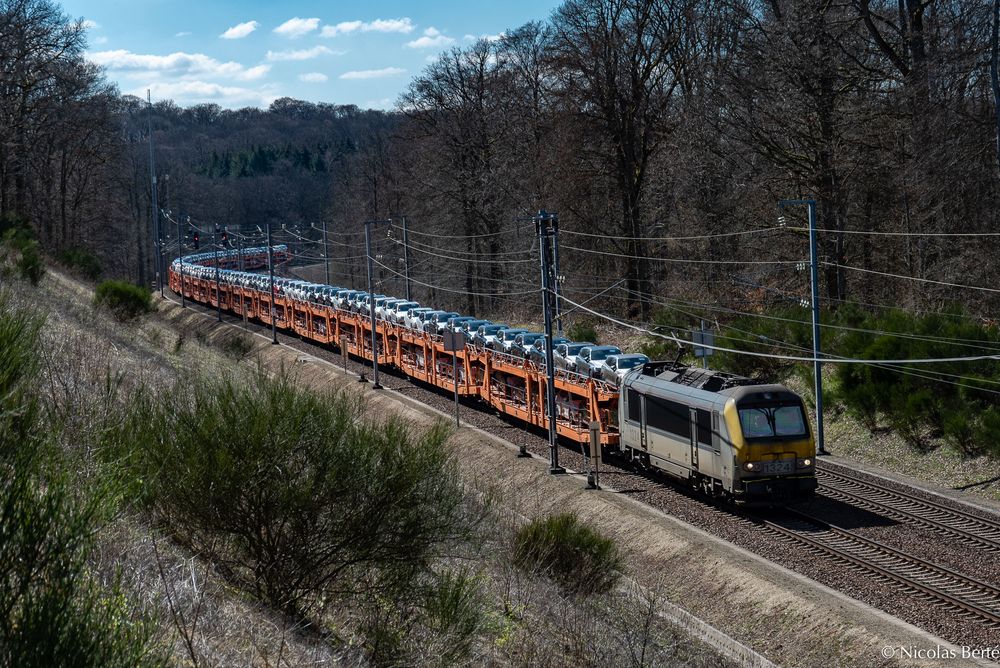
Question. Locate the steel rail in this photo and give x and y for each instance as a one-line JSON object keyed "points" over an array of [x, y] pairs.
{"points": [[967, 527], [935, 584]]}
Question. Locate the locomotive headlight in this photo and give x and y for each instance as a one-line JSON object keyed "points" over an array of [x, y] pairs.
{"points": [[805, 463], [748, 466]]}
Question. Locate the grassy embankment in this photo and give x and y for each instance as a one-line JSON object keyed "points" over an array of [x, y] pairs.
{"points": [[236, 518]]}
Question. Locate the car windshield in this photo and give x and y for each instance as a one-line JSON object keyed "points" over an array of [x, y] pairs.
{"points": [[629, 362], [599, 353], [770, 421]]}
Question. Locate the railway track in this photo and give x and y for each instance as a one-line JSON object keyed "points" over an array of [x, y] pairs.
{"points": [[966, 527], [946, 594], [945, 589]]}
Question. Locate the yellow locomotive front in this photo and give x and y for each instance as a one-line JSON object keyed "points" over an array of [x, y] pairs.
{"points": [[774, 452]]}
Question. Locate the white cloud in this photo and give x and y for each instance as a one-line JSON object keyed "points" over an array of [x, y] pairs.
{"points": [[373, 74], [193, 92], [90, 24], [342, 28], [401, 25], [302, 54], [488, 38], [183, 33], [254, 73], [313, 77], [178, 64], [297, 27], [432, 39], [100, 40], [240, 30]]}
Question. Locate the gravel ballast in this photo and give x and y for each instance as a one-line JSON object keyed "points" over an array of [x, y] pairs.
{"points": [[660, 494]]}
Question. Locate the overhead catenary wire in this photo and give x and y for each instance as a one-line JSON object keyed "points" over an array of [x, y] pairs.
{"points": [[699, 237], [880, 233], [968, 343], [928, 374], [677, 260], [413, 244], [790, 358], [512, 228], [466, 259], [500, 295], [929, 281]]}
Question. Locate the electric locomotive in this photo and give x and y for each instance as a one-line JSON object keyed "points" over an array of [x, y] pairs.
{"points": [[724, 434]]}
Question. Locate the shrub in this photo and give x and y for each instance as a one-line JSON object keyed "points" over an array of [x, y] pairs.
{"points": [[237, 346], [29, 264], [582, 330], [125, 300], [573, 554], [291, 491], [52, 612], [82, 261], [454, 613], [20, 238]]}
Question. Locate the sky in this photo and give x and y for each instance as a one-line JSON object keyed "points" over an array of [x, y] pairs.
{"points": [[249, 53]]}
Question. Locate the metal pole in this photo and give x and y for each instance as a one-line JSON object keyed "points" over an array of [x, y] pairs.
{"points": [[454, 369], [270, 269], [157, 244], [817, 365], [558, 279], [371, 304], [406, 262], [326, 253], [180, 254], [704, 351], [215, 253], [545, 238], [239, 255], [814, 289]]}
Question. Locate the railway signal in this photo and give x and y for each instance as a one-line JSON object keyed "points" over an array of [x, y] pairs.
{"points": [[594, 458]]}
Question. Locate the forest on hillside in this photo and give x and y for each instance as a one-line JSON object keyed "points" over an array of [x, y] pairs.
{"points": [[663, 132]]}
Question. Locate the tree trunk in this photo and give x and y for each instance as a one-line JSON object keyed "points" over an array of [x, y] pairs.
{"points": [[995, 74]]}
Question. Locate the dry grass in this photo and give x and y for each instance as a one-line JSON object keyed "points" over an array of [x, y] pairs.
{"points": [[90, 363], [517, 617]]}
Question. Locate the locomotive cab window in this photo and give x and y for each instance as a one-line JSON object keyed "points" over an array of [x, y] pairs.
{"points": [[634, 407], [704, 427], [786, 421]]}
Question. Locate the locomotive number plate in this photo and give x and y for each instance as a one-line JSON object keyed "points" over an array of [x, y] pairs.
{"points": [[777, 467]]}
